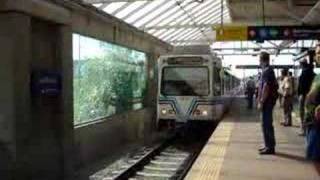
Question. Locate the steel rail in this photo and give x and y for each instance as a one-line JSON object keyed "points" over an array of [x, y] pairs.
{"points": [[144, 160]]}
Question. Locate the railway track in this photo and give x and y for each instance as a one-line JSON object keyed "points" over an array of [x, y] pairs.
{"points": [[170, 160]]}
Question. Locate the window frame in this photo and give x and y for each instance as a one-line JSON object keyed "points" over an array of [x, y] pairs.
{"points": [[134, 100], [162, 77]]}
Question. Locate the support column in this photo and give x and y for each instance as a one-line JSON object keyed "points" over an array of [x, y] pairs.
{"points": [[15, 90], [152, 86], [150, 100], [66, 65]]}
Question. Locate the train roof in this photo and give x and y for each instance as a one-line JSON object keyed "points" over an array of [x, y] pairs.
{"points": [[186, 55], [195, 49], [210, 57]]}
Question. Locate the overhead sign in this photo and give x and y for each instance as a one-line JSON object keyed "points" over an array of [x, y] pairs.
{"points": [[231, 33], [261, 33]]}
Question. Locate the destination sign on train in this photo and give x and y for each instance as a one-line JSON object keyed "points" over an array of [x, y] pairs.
{"points": [[261, 33], [186, 60]]}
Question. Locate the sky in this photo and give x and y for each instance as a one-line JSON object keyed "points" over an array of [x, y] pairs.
{"points": [[237, 47], [252, 60]]}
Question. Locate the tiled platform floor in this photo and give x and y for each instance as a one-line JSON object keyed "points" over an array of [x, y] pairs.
{"points": [[232, 151]]}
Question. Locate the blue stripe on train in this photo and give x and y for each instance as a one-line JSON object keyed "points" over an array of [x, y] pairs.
{"points": [[194, 103]]}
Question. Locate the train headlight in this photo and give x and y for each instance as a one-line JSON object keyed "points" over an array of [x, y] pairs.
{"points": [[202, 110], [205, 113], [166, 110], [171, 111]]}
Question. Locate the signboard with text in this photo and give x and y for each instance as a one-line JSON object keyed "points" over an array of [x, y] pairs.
{"points": [[46, 83], [230, 33], [261, 33]]}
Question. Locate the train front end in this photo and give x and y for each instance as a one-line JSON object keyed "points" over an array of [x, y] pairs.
{"points": [[185, 90]]}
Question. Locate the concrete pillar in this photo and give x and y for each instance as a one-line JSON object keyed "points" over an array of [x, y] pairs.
{"points": [[150, 100], [14, 92], [66, 66], [36, 132], [152, 86]]}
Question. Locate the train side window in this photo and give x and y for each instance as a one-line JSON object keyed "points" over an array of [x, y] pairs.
{"points": [[217, 82]]}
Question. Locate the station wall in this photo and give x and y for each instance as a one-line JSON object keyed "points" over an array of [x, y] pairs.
{"points": [[37, 131]]}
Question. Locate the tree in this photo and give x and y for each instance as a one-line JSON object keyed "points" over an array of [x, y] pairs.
{"points": [[108, 84]]}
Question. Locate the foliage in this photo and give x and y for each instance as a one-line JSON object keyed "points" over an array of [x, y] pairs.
{"points": [[108, 84]]}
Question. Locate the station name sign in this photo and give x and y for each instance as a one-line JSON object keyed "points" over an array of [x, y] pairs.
{"points": [[261, 33]]}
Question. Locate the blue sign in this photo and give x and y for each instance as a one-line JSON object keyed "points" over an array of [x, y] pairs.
{"points": [[46, 83], [261, 33]]}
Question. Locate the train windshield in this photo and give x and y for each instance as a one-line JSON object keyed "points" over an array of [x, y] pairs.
{"points": [[185, 81]]}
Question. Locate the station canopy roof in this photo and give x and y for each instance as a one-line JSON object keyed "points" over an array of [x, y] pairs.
{"points": [[178, 22], [190, 22]]}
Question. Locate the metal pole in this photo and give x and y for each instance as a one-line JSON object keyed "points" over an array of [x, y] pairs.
{"points": [[221, 13], [263, 14]]}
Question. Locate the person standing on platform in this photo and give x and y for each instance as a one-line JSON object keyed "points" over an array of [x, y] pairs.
{"points": [[312, 121], [267, 97], [287, 90], [250, 89], [293, 83], [257, 86], [304, 84], [280, 91]]}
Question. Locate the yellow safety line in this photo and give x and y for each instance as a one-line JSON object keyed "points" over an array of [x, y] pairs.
{"points": [[210, 161]]}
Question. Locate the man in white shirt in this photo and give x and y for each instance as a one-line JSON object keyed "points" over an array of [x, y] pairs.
{"points": [[287, 93]]}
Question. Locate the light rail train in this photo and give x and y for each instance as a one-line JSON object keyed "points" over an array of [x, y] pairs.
{"points": [[192, 88]]}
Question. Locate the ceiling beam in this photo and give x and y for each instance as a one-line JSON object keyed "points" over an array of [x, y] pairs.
{"points": [[204, 41], [289, 66], [135, 11], [159, 13], [210, 8], [248, 54], [125, 5], [194, 37], [110, 1], [288, 8], [148, 12], [269, 21], [165, 16], [213, 18], [255, 48], [186, 34], [171, 35], [179, 26], [104, 5], [229, 8], [312, 16], [165, 33]]}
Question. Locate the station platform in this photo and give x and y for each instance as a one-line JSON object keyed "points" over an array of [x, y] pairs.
{"points": [[232, 151]]}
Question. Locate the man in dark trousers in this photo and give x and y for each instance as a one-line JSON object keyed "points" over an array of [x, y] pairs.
{"points": [[267, 97], [250, 90], [305, 81]]}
